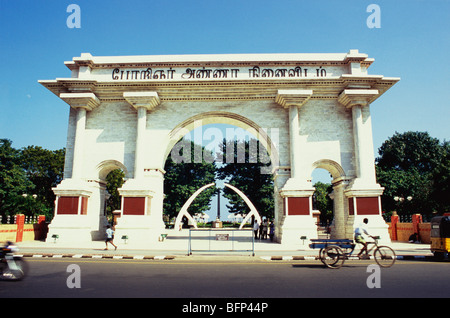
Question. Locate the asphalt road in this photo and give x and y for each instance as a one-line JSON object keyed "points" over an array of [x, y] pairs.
{"points": [[240, 278]]}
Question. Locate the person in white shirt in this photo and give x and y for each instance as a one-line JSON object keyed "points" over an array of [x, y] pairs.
{"points": [[109, 237], [360, 231], [256, 228]]}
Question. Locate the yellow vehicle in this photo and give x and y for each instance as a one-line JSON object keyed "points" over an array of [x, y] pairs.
{"points": [[440, 235]]}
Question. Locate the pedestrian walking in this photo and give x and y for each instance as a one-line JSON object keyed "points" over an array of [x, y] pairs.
{"points": [[255, 228], [109, 237]]}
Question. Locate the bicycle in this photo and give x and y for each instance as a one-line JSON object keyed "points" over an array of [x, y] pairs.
{"points": [[333, 253]]}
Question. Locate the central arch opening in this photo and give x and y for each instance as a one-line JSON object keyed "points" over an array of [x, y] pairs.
{"points": [[242, 155]]}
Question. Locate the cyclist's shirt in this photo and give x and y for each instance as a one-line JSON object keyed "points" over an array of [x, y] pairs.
{"points": [[361, 229]]}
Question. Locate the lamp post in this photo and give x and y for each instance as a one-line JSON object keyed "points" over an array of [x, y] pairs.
{"points": [[400, 199]]}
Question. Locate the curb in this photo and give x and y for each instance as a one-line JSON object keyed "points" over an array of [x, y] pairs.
{"points": [[304, 258], [98, 256], [171, 257]]}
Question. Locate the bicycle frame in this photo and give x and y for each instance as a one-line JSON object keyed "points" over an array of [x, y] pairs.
{"points": [[369, 250]]}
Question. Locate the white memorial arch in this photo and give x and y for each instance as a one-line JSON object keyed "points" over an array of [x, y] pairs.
{"points": [[127, 112]]}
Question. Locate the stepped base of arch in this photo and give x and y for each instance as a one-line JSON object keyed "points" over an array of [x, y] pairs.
{"points": [[297, 230], [138, 229], [76, 228]]}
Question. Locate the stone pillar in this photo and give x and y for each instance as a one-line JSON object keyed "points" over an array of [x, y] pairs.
{"points": [[293, 100], [297, 192], [72, 221], [141, 215], [79, 141], [356, 100], [82, 102], [363, 193], [293, 140], [142, 102], [141, 126], [394, 223], [20, 221], [338, 229], [362, 133]]}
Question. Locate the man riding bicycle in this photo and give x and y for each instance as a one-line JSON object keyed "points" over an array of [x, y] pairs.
{"points": [[360, 230]]}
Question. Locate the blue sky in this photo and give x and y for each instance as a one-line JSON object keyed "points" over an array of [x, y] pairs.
{"points": [[413, 43]]}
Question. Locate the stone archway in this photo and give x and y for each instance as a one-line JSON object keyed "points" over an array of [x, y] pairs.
{"points": [[340, 206], [319, 102]]}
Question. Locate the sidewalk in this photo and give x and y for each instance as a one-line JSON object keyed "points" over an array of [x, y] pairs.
{"points": [[177, 245]]}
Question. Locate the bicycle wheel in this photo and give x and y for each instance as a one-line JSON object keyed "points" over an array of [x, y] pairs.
{"points": [[384, 256], [332, 257]]}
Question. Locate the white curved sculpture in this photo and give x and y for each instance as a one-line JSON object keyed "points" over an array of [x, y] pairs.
{"points": [[184, 212], [253, 210]]}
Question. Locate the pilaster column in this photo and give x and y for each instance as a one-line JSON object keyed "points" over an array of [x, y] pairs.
{"points": [[357, 99], [294, 128], [339, 221], [82, 102], [141, 126], [363, 193], [142, 102], [79, 142], [294, 100], [75, 214], [297, 191]]}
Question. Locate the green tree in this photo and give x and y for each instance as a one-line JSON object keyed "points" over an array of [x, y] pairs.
{"points": [[323, 202], [441, 181], [182, 179], [114, 181], [410, 150], [15, 188], [413, 164], [44, 168], [250, 174]]}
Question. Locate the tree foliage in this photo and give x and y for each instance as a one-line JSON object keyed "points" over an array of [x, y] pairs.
{"points": [[250, 174], [26, 179], [323, 202], [182, 179], [415, 165], [114, 181], [44, 168]]}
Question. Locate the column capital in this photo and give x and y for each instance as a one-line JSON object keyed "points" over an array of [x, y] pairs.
{"points": [[87, 101], [355, 97], [149, 100], [293, 97]]}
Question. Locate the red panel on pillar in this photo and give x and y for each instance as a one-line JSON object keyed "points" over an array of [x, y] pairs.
{"points": [[68, 205], [298, 206], [367, 206], [133, 206]]}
